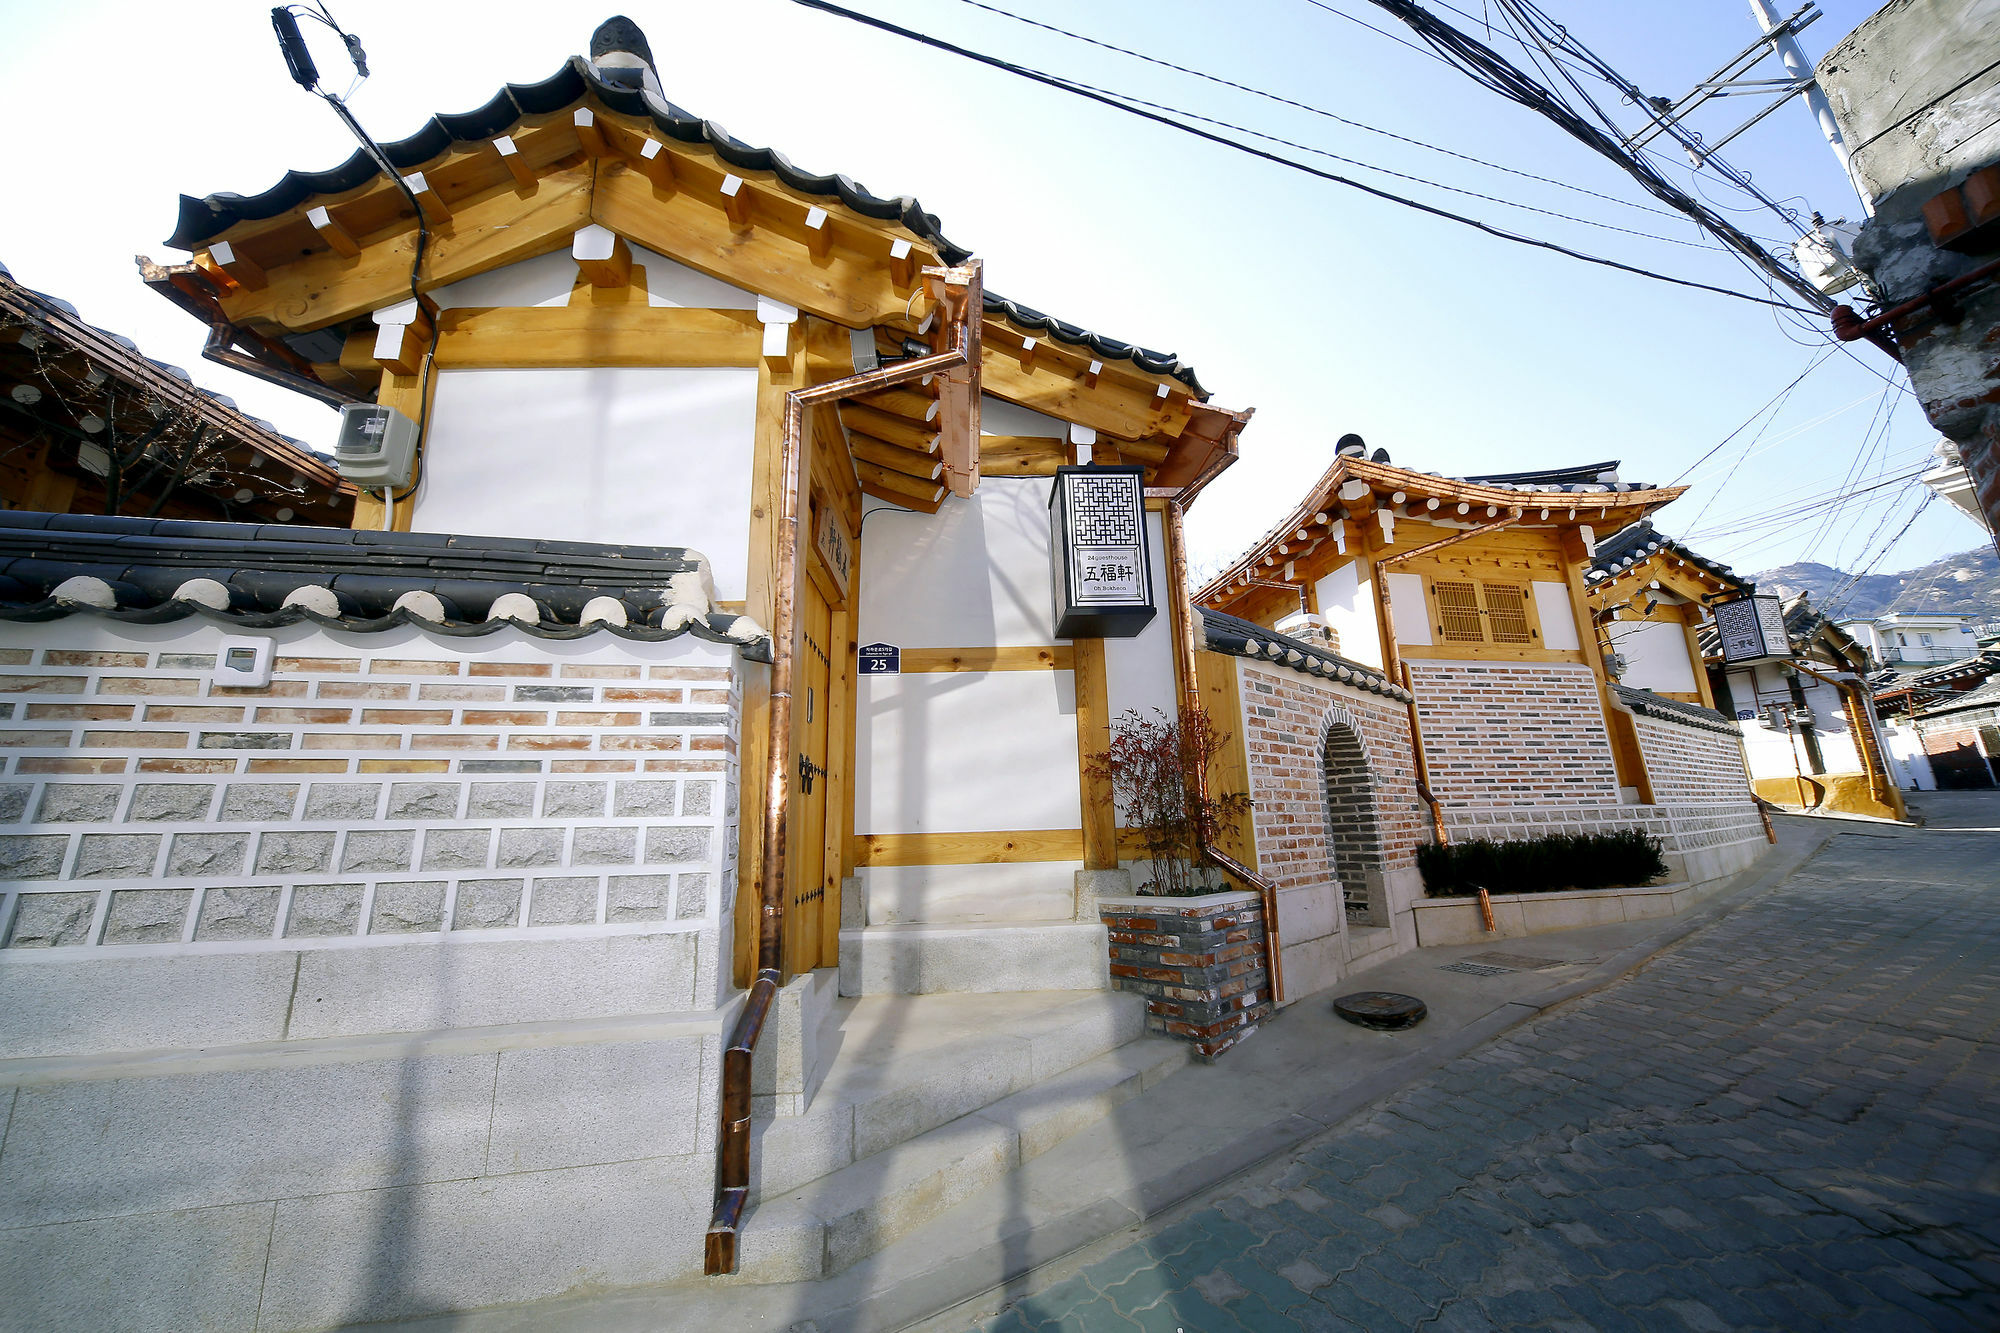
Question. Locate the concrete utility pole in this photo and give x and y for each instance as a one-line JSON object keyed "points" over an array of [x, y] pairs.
{"points": [[1786, 42]]}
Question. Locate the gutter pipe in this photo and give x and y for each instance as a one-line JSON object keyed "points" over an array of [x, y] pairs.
{"points": [[1848, 326], [961, 286]]}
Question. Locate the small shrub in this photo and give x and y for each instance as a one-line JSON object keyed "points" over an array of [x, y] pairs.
{"points": [[1154, 765], [1547, 864]]}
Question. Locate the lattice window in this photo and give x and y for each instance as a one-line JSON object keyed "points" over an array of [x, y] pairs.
{"points": [[1458, 611], [1506, 613]]}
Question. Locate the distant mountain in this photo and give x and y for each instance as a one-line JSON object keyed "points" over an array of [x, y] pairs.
{"points": [[1967, 583]]}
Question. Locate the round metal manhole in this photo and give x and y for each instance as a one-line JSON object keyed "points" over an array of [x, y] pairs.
{"points": [[1382, 1010]]}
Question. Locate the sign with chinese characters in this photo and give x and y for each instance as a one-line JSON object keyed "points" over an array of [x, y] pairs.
{"points": [[1100, 572], [1752, 629], [834, 547], [880, 659]]}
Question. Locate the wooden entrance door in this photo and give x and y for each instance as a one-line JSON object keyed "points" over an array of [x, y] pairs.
{"points": [[808, 878]]}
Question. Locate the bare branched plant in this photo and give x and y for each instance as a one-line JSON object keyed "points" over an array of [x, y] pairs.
{"points": [[1155, 765]]}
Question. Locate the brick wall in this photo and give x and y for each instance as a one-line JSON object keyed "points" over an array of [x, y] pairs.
{"points": [[1513, 734], [1312, 821], [1200, 963], [1691, 766], [365, 795]]}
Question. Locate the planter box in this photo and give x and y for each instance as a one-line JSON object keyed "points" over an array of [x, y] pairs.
{"points": [[1198, 961], [1456, 920]]}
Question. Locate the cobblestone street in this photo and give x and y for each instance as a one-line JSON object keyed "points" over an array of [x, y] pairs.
{"points": [[1788, 1120]]}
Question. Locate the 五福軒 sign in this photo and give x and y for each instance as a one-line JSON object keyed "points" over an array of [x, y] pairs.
{"points": [[1100, 574], [1751, 629]]}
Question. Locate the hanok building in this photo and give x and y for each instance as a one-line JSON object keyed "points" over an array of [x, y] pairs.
{"points": [[1410, 656], [509, 811]]}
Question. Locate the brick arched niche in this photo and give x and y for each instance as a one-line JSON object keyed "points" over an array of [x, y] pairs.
{"points": [[1353, 836]]}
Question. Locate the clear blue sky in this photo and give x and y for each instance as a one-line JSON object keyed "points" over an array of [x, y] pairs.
{"points": [[1324, 309]]}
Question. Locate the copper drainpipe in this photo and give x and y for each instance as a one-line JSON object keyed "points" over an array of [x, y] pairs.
{"points": [[1399, 670], [960, 287], [1861, 722], [1182, 613]]}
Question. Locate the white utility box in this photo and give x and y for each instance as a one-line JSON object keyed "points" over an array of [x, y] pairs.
{"points": [[377, 447]]}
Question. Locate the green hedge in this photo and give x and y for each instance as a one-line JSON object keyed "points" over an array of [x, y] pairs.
{"points": [[1541, 865]]}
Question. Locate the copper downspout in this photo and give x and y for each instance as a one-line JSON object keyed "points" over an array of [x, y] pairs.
{"points": [[1183, 615], [961, 286], [1399, 670]]}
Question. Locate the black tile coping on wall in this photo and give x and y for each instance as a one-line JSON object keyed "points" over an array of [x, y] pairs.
{"points": [[142, 568], [1222, 633]]}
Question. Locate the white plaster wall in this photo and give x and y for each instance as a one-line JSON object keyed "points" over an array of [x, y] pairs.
{"points": [[959, 751], [1906, 754], [1558, 616], [997, 416], [1656, 655], [1349, 608], [645, 456], [548, 280], [1139, 671], [1408, 609], [974, 574]]}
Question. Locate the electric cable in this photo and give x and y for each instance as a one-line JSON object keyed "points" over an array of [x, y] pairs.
{"points": [[1811, 366], [1114, 100], [1318, 111]]}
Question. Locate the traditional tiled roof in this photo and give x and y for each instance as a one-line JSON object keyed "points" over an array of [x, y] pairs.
{"points": [[147, 571], [1581, 474], [60, 326], [1633, 545], [1986, 696], [1240, 638], [1647, 704], [202, 220]]}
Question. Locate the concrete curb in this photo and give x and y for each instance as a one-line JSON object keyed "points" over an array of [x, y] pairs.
{"points": [[930, 1296]]}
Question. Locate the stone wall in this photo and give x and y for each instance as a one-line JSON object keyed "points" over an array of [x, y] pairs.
{"points": [[1502, 734], [1198, 961], [393, 987]]}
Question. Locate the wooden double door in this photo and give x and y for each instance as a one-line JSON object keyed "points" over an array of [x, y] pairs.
{"points": [[816, 826]]}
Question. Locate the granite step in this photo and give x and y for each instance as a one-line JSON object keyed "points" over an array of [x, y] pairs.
{"points": [[828, 1224]]}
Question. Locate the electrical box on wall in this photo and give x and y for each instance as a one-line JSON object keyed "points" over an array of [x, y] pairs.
{"points": [[1101, 575], [377, 447], [243, 661], [1752, 629]]}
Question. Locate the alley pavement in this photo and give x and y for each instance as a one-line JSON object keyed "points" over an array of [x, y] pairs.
{"points": [[1787, 1120]]}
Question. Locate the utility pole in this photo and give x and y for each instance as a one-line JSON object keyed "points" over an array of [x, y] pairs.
{"points": [[1783, 37]]}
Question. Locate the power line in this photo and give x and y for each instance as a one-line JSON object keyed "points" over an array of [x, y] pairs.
{"points": [[1321, 111], [1111, 99], [1777, 397]]}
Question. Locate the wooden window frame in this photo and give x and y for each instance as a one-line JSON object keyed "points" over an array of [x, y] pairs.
{"points": [[1530, 612]]}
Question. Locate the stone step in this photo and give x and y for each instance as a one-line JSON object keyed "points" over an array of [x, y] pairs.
{"points": [[892, 1078], [832, 1222], [933, 959]]}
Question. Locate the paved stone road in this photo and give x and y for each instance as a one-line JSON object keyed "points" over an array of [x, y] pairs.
{"points": [[1790, 1121]]}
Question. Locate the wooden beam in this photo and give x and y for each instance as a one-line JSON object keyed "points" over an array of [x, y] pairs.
{"points": [[481, 338], [240, 268], [588, 134], [1021, 455], [1114, 407], [921, 466], [336, 236], [913, 407], [876, 478], [819, 236], [1144, 451], [736, 200], [902, 264], [436, 214], [517, 166], [928, 661], [602, 257], [402, 343], [959, 849], [894, 429], [655, 163], [325, 288], [1093, 740], [906, 501]]}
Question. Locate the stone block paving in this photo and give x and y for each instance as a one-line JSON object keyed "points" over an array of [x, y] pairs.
{"points": [[1789, 1120]]}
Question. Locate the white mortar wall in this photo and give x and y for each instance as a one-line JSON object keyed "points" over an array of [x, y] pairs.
{"points": [[1558, 616], [960, 751], [1139, 671], [548, 280], [1656, 655], [975, 574], [1408, 608], [645, 456], [1000, 417], [1349, 608]]}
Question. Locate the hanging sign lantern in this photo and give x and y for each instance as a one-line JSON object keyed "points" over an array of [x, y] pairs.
{"points": [[1752, 629], [1101, 576]]}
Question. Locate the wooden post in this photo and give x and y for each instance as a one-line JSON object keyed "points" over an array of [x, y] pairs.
{"points": [[1690, 623], [1093, 738]]}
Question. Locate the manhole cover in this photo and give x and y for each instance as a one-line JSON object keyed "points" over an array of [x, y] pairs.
{"points": [[1380, 1009], [1476, 969], [1518, 961]]}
